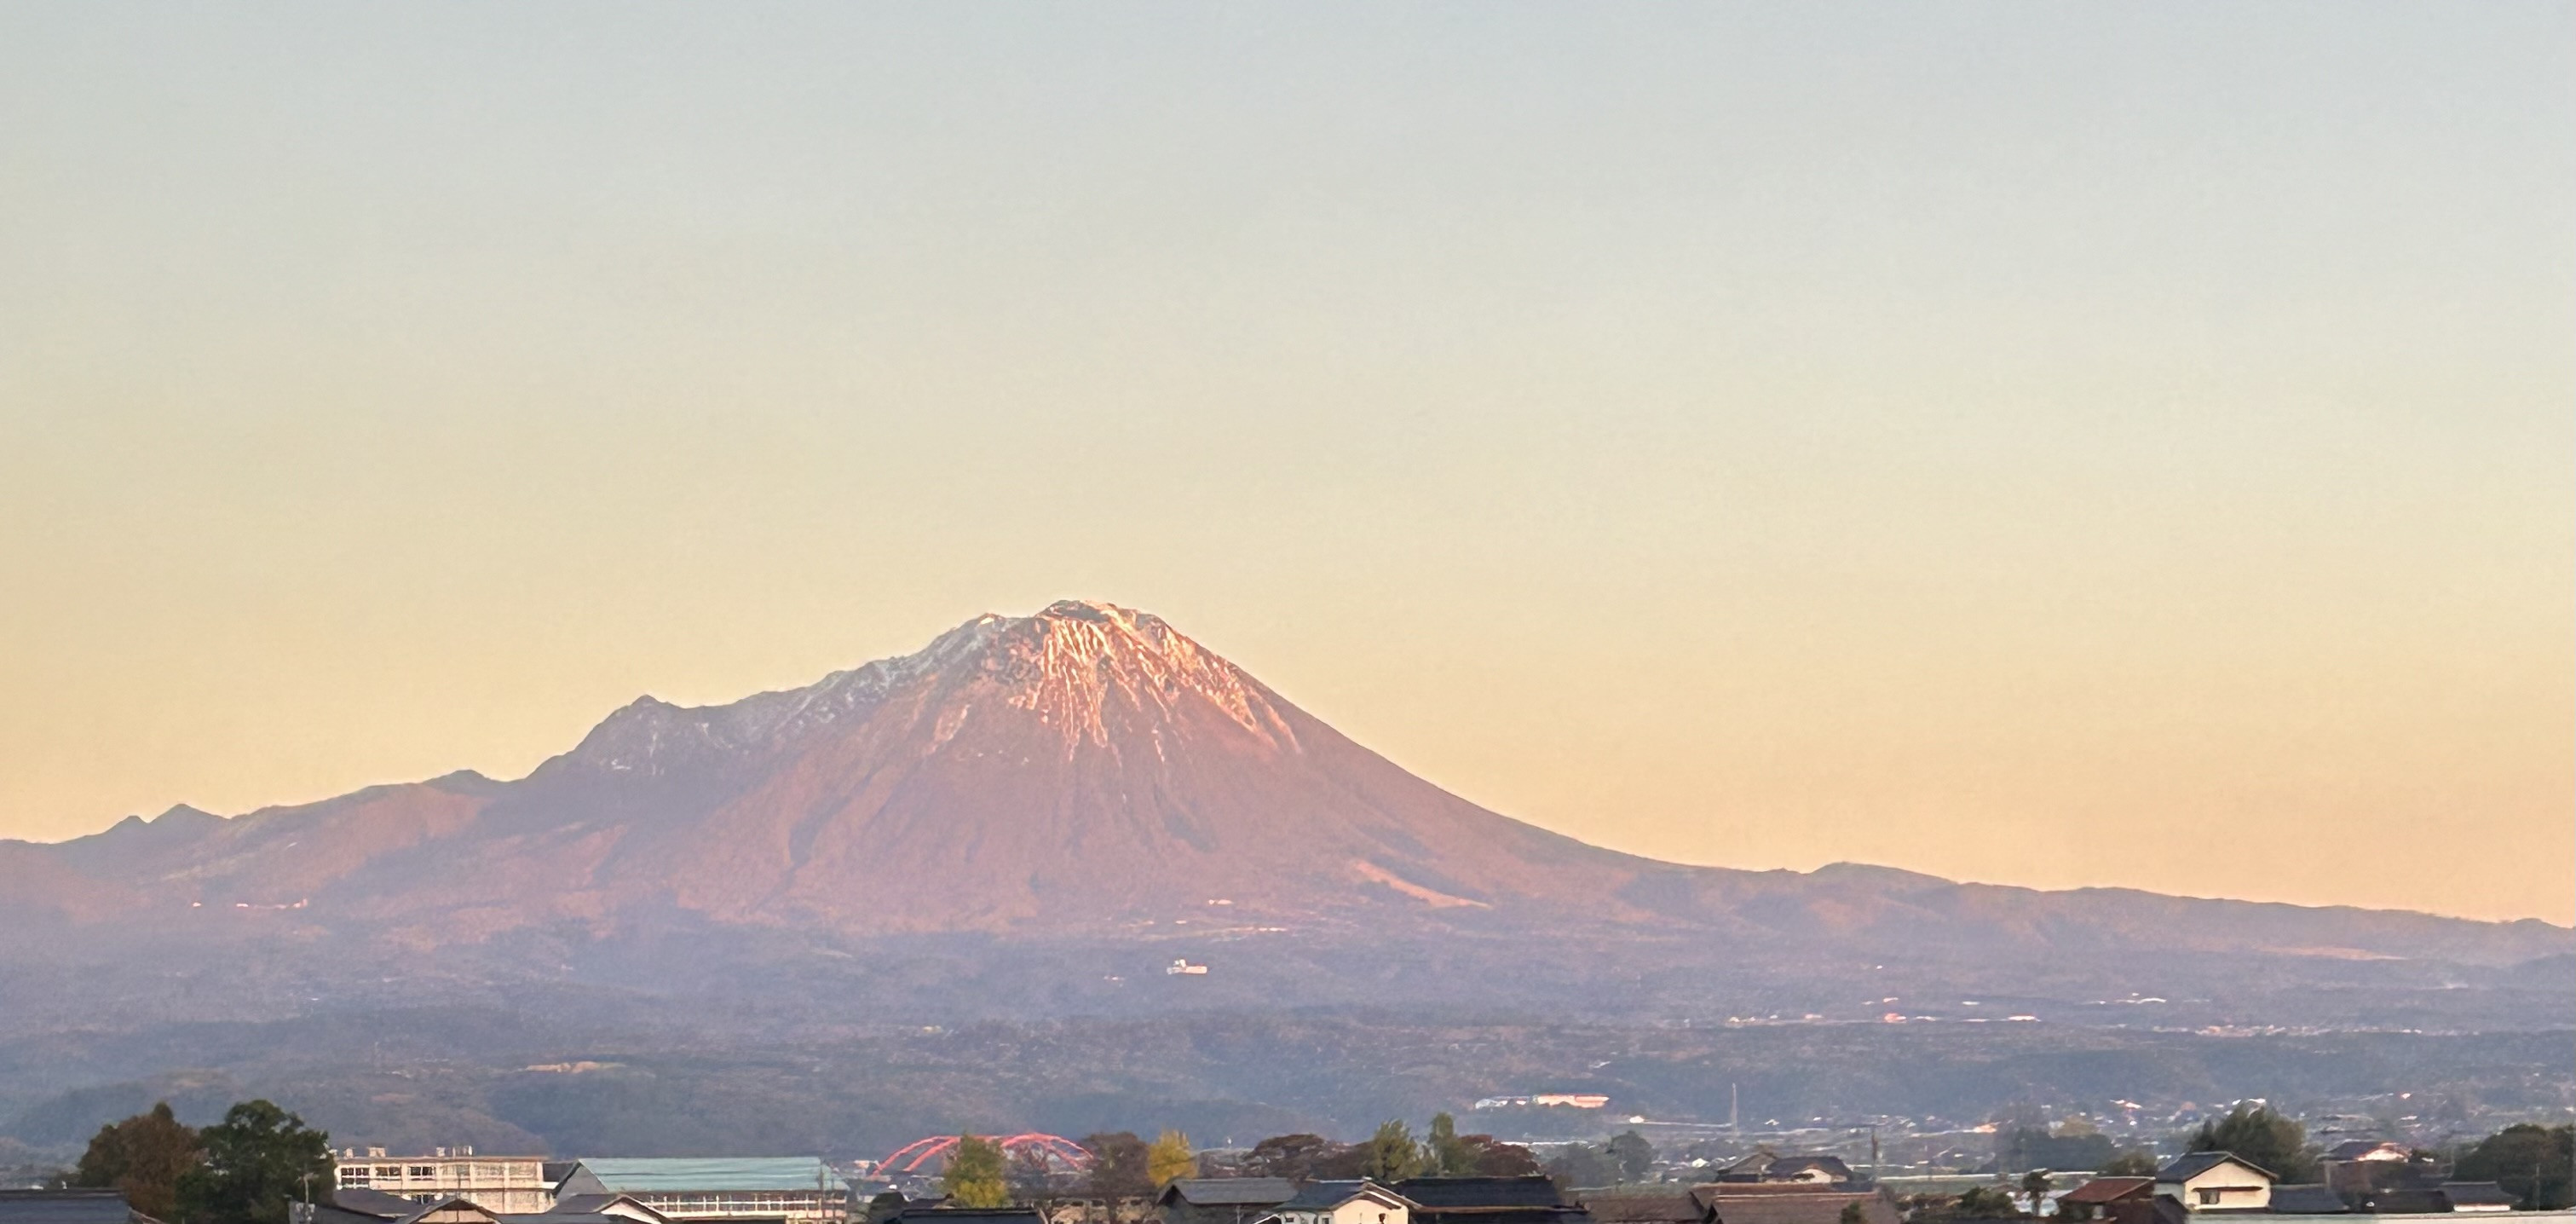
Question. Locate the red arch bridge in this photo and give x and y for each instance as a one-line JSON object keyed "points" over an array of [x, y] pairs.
{"points": [[920, 1155]]}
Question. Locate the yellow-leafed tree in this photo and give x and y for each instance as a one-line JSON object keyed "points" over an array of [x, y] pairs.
{"points": [[1171, 1158]]}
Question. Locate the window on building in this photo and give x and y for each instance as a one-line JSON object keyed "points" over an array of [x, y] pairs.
{"points": [[389, 1172], [355, 1175], [2209, 1198]]}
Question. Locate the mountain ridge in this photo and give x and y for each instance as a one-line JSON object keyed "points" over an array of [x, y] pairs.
{"points": [[1087, 768]]}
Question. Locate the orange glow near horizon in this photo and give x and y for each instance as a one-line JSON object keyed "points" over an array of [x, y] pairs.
{"points": [[2099, 447]]}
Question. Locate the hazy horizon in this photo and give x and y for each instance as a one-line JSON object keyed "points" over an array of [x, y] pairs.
{"points": [[2019, 444]]}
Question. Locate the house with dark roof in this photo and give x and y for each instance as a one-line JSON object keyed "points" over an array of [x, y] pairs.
{"points": [[1792, 1203], [69, 1207], [1809, 1170], [2367, 1149], [1221, 1200], [1489, 1200], [936, 1211], [2307, 1198], [2215, 1182], [1682, 1208], [2476, 1196], [1341, 1202], [2124, 1200]]}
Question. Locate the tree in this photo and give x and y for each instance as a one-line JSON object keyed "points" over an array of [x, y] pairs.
{"points": [[1119, 1165], [2034, 1187], [144, 1157], [258, 1159], [1447, 1155], [2136, 1162], [1581, 1165], [974, 1175], [1290, 1156], [1170, 1158], [1494, 1158], [1852, 1214], [1392, 1153], [883, 1207], [1633, 1155], [1986, 1203], [2257, 1135], [2533, 1163]]}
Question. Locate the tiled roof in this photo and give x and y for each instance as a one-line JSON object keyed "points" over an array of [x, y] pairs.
{"points": [[2184, 1168], [1231, 1191], [64, 1207], [373, 1202], [2476, 1194], [1645, 1208], [1825, 1207], [1326, 1195], [1467, 1193], [2107, 1189], [2306, 1199]]}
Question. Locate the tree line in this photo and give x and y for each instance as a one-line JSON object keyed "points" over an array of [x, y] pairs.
{"points": [[1126, 1166], [242, 1170]]}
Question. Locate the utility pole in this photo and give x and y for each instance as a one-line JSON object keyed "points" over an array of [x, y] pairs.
{"points": [[1734, 1120], [1873, 1153]]}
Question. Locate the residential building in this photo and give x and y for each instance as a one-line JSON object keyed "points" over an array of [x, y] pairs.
{"points": [[1681, 1208], [2215, 1181], [2121, 1200], [932, 1211], [1488, 1200], [2476, 1196], [510, 1185], [69, 1207], [1793, 1203], [773, 1190], [2307, 1198], [1221, 1200], [359, 1205], [1764, 1166], [1341, 1202]]}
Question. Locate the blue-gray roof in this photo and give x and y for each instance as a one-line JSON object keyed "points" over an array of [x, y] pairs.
{"points": [[2184, 1168], [646, 1175], [64, 1207], [1230, 1191]]}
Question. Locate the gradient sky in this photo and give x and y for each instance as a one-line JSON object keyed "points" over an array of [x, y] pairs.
{"points": [[2048, 444]]}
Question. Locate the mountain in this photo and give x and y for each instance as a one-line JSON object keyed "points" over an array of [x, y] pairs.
{"points": [[1088, 772]]}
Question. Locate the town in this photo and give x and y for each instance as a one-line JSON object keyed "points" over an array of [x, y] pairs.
{"points": [[262, 1165]]}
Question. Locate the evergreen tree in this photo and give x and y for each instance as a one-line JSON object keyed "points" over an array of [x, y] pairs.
{"points": [[258, 1159], [1392, 1153], [144, 1156], [1449, 1155], [974, 1175], [2533, 1163]]}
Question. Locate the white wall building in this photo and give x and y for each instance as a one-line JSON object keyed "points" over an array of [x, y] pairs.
{"points": [[510, 1185]]}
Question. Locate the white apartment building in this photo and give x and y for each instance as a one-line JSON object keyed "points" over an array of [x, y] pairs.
{"points": [[507, 1185]]}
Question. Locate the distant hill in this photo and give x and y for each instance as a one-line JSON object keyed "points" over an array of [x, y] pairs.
{"points": [[1088, 769]]}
